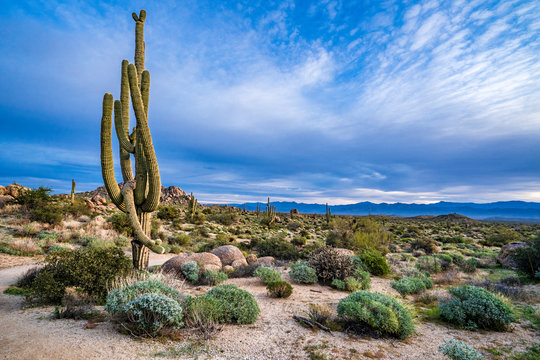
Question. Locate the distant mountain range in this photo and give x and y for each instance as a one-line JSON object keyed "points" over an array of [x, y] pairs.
{"points": [[497, 211]]}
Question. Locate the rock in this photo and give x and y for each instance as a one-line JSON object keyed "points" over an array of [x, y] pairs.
{"points": [[505, 255], [277, 219], [294, 212], [251, 259], [14, 189], [4, 199], [2, 190], [266, 260], [228, 254], [206, 261], [98, 200], [239, 263], [228, 269], [342, 251], [172, 194]]}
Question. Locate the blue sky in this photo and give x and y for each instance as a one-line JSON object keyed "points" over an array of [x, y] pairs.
{"points": [[329, 101]]}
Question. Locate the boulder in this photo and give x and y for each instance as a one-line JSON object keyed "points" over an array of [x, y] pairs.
{"points": [[239, 263], [228, 254], [2, 190], [342, 251], [206, 261], [14, 189], [251, 259], [4, 199], [505, 255], [266, 260], [228, 269], [98, 200]]}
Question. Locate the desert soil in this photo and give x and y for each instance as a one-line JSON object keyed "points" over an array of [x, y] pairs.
{"points": [[31, 334]]}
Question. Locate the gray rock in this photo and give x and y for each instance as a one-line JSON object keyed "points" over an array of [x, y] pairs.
{"points": [[505, 255]]}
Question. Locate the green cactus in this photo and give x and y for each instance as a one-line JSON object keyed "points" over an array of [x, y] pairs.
{"points": [[328, 214], [139, 196], [192, 207], [269, 216], [72, 191]]}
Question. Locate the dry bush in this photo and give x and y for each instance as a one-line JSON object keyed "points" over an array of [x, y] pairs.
{"points": [[447, 278], [11, 209], [24, 245]]}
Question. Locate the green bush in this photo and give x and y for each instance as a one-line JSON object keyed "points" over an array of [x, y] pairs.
{"points": [[168, 212], [90, 269], [459, 350], [278, 248], [299, 241], [363, 277], [120, 223], [409, 285], [473, 307], [351, 284], [469, 265], [151, 313], [427, 244], [191, 271], [49, 213], [430, 264], [374, 261], [179, 239], [338, 284], [280, 289], [501, 235], [226, 218], [528, 258], [77, 208], [239, 306], [329, 264], [267, 274], [301, 273], [380, 312], [203, 313], [213, 277], [34, 198], [117, 299]]}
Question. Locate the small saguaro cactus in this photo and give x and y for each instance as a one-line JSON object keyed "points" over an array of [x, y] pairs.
{"points": [[328, 214], [72, 191], [192, 207], [139, 196]]}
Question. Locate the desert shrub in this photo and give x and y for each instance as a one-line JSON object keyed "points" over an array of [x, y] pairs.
{"points": [[90, 269], [225, 218], [299, 241], [35, 197], [294, 226], [459, 350], [100, 244], [49, 213], [508, 287], [75, 305], [473, 307], [220, 240], [280, 289], [380, 312], [301, 273], [528, 258], [363, 277], [338, 284], [77, 208], [122, 241], [351, 284], [26, 280], [198, 218], [203, 313], [168, 212], [46, 235], [430, 264], [267, 274], [56, 248], [320, 313], [374, 261], [501, 235], [409, 285], [469, 265], [117, 299], [330, 265], [120, 223], [179, 239], [190, 270], [244, 271], [213, 277], [239, 306], [151, 313], [278, 248], [427, 244]]}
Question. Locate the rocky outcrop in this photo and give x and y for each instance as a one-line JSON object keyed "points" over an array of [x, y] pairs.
{"points": [[206, 261], [228, 254], [507, 251], [251, 259], [266, 260], [171, 195]]}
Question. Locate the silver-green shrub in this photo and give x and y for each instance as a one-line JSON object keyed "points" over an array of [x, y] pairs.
{"points": [[302, 274], [458, 350]]}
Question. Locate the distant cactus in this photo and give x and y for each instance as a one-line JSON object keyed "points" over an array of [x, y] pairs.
{"points": [[328, 214], [139, 196], [192, 207], [72, 191], [269, 216]]}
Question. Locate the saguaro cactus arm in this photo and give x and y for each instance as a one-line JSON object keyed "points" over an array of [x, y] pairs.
{"points": [[139, 43], [107, 166], [131, 211], [145, 138]]}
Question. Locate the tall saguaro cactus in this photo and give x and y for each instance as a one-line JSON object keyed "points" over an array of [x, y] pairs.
{"points": [[139, 196]]}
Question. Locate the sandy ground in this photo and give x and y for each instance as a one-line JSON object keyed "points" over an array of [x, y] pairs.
{"points": [[30, 334]]}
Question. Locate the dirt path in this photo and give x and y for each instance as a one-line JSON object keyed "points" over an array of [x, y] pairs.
{"points": [[30, 334]]}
